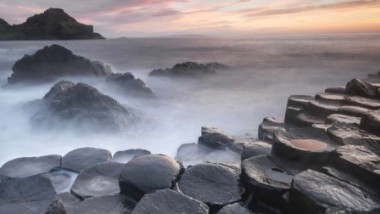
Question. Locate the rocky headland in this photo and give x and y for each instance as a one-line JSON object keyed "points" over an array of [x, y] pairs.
{"points": [[53, 24], [189, 70], [324, 158]]}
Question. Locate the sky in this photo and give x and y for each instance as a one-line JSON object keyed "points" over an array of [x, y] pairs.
{"points": [[141, 18]]}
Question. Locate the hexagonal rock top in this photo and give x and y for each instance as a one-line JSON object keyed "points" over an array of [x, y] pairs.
{"points": [[110, 204], [213, 184], [314, 192], [98, 180], [26, 195], [169, 202], [29, 166], [148, 173], [83, 158]]}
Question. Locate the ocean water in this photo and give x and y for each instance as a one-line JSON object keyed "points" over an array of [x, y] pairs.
{"points": [[266, 70]]}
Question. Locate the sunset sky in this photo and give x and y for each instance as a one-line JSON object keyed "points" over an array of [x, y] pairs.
{"points": [[114, 18]]}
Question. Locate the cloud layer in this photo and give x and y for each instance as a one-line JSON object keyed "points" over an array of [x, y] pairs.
{"points": [[222, 17]]}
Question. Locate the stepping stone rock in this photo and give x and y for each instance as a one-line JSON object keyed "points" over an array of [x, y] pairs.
{"points": [[335, 90], [255, 149], [29, 166], [83, 158], [307, 119], [308, 145], [29, 195], [98, 180], [331, 98], [234, 209], [342, 119], [213, 184], [355, 111], [214, 138], [127, 155], [360, 88], [314, 192], [110, 204], [61, 179], [268, 127], [299, 100], [363, 102], [322, 109], [148, 173], [192, 153], [371, 122], [169, 202], [359, 161]]}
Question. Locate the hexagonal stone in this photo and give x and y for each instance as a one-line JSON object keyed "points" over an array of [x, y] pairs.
{"points": [[29, 166], [213, 184], [169, 202], [268, 127], [83, 158], [98, 180], [234, 209], [355, 111], [363, 102], [110, 204], [148, 173], [314, 192], [256, 149], [69, 201], [321, 108], [308, 144], [214, 138], [371, 122], [127, 155], [329, 97], [336, 90], [29, 195], [343, 119]]}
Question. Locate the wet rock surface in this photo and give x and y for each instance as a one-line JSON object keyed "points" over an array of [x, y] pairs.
{"points": [[99, 180], [234, 209], [213, 184], [111, 204], [61, 179], [26, 167], [26, 195], [169, 202], [256, 148], [189, 69], [81, 106], [148, 173], [53, 62], [214, 138], [83, 158]]}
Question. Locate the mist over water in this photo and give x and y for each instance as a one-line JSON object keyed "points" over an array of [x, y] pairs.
{"points": [[265, 72]]}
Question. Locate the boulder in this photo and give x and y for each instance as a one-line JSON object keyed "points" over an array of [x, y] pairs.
{"points": [[360, 88], [214, 138], [307, 145], [235, 208], [371, 122], [213, 184], [360, 162], [53, 24], [127, 155], [110, 204], [69, 105], [189, 69], [128, 84], [61, 179], [148, 173], [29, 166], [314, 192], [29, 195], [53, 62], [256, 149], [99, 180], [169, 202], [84, 158], [268, 127]]}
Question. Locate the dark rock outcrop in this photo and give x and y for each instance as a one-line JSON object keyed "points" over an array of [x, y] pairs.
{"points": [[213, 184], [268, 127], [148, 173], [169, 202], [314, 192], [25, 167], [361, 88], [128, 84], [127, 155], [69, 105], [53, 24], [83, 158], [53, 62], [189, 69], [99, 180], [26, 195], [214, 138]]}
